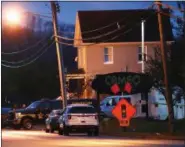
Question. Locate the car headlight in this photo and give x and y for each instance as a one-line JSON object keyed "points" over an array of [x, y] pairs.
{"points": [[17, 115]]}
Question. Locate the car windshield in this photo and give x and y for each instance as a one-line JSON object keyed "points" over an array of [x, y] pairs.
{"points": [[33, 105], [58, 112], [88, 110]]}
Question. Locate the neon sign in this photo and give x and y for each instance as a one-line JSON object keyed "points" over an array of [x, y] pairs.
{"points": [[119, 82]]}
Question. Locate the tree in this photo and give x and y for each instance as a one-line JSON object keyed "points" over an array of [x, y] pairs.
{"points": [[176, 58], [39, 79]]}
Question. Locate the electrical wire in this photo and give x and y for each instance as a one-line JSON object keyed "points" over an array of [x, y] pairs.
{"points": [[172, 16], [32, 61], [17, 52], [69, 44], [169, 6], [99, 36], [111, 24], [127, 31], [135, 25], [22, 61], [90, 31]]}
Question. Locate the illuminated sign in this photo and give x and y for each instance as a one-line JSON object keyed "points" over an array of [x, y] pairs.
{"points": [[120, 82]]}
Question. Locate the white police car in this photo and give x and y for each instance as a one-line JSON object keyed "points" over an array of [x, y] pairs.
{"points": [[81, 118]]}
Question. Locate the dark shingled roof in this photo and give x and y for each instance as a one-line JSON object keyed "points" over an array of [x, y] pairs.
{"points": [[90, 20]]}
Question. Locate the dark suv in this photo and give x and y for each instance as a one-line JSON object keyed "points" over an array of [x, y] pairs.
{"points": [[38, 111]]}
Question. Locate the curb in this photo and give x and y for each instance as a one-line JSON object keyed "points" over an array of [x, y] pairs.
{"points": [[146, 136]]}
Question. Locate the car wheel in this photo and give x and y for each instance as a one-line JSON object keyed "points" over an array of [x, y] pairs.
{"points": [[46, 129], [89, 133], [60, 131], [96, 133], [51, 129], [27, 124], [17, 127], [65, 131]]}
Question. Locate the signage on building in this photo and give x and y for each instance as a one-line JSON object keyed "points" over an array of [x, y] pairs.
{"points": [[122, 82]]}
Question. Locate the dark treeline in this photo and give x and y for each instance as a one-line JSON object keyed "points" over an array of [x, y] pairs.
{"points": [[39, 79]]}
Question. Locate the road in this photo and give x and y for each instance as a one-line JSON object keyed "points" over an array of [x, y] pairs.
{"points": [[20, 138]]}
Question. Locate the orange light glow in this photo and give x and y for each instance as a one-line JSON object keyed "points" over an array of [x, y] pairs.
{"points": [[13, 17]]}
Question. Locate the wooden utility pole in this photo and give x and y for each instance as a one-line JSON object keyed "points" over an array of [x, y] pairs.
{"points": [[59, 56], [168, 93]]}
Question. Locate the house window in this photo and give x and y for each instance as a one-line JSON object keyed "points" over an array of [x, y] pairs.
{"points": [[108, 55], [140, 58]]}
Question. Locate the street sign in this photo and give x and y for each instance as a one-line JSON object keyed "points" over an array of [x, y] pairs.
{"points": [[124, 123], [124, 111]]}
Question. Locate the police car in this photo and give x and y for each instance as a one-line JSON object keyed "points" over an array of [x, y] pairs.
{"points": [[81, 118]]}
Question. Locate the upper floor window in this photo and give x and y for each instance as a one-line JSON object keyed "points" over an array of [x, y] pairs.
{"points": [[140, 57], [108, 55]]}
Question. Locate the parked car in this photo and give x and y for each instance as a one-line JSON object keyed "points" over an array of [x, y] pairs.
{"points": [[79, 118], [38, 111], [108, 103], [4, 116], [51, 123]]}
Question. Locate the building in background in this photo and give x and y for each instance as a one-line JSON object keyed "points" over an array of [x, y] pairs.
{"points": [[110, 41]]}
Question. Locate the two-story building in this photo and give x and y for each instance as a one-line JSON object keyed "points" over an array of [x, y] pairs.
{"points": [[110, 40]]}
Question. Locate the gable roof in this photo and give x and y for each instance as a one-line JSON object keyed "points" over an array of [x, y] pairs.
{"points": [[130, 19]]}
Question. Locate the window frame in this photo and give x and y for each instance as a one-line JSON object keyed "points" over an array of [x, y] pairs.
{"points": [[108, 54], [140, 53]]}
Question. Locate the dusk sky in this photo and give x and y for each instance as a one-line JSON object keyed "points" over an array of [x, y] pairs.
{"points": [[69, 9]]}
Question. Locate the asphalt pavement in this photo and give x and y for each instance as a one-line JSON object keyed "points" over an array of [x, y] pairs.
{"points": [[38, 138]]}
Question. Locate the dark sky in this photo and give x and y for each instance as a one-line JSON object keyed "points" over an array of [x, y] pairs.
{"points": [[69, 9]]}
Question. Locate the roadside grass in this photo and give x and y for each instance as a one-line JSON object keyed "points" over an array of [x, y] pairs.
{"points": [[142, 126]]}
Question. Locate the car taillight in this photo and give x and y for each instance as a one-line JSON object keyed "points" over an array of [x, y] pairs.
{"points": [[69, 116]]}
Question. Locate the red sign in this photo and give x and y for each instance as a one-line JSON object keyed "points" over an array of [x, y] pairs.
{"points": [[115, 88], [124, 111], [128, 87]]}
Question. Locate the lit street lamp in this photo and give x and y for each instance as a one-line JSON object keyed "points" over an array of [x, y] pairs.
{"points": [[13, 17]]}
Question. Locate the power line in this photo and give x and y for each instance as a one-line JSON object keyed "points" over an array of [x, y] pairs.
{"points": [[32, 61], [135, 25], [99, 36], [17, 52], [171, 15], [111, 24], [69, 44], [127, 31], [22, 61], [120, 20], [169, 6], [37, 14]]}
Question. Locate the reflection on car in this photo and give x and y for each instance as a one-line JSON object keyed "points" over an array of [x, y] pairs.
{"points": [[51, 123]]}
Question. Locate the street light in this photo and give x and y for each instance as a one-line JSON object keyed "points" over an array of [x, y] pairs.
{"points": [[13, 17]]}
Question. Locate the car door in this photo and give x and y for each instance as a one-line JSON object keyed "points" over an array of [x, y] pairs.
{"points": [[45, 109]]}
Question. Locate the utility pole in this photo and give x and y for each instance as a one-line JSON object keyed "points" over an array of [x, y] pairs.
{"points": [[168, 93], [59, 56], [143, 44]]}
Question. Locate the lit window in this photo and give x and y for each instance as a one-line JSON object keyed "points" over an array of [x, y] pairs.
{"points": [[140, 58], [108, 55]]}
